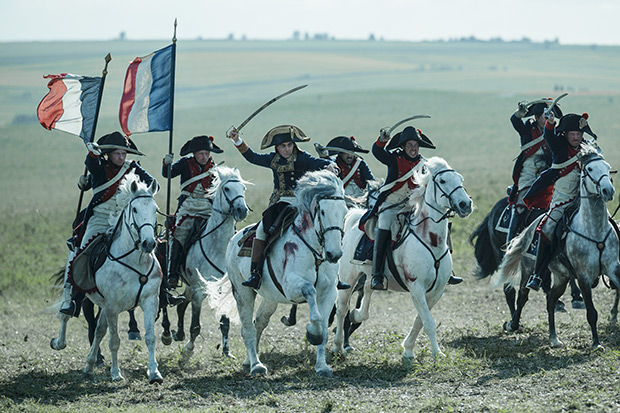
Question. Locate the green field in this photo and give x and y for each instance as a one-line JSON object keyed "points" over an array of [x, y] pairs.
{"points": [[354, 88]]}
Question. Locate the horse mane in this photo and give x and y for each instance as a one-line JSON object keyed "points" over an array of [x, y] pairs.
{"points": [[588, 153], [125, 195], [314, 184], [423, 178]]}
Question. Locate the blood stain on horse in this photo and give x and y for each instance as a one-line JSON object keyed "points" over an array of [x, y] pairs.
{"points": [[408, 275], [306, 223], [434, 239], [290, 248]]}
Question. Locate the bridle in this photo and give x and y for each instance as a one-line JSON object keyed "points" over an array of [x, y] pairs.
{"points": [[437, 186], [596, 182]]}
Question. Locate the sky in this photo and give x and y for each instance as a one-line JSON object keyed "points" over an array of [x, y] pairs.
{"points": [[569, 21]]}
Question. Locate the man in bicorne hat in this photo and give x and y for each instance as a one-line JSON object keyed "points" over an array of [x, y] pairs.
{"points": [[353, 170], [288, 163], [107, 164], [534, 158], [194, 202], [564, 176]]}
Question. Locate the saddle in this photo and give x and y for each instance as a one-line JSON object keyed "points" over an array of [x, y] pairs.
{"points": [[82, 268], [276, 220]]}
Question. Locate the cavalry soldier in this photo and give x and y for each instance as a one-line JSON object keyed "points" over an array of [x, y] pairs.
{"points": [[534, 158], [563, 175], [354, 171], [107, 164], [288, 163], [195, 201]]}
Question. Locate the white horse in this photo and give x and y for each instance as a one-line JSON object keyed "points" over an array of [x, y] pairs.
{"points": [[292, 272], [591, 249], [421, 264], [206, 258], [130, 276]]}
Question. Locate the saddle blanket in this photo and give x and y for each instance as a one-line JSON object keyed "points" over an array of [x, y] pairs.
{"points": [[363, 251], [504, 221], [83, 267], [532, 248]]}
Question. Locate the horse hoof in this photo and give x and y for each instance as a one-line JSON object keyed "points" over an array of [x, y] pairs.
{"points": [[135, 336], [156, 378], [258, 370], [229, 355], [508, 327], [326, 372], [556, 343], [166, 339], [598, 348], [314, 339], [348, 348], [88, 376], [286, 321], [55, 346], [118, 377], [407, 361], [178, 335], [100, 361]]}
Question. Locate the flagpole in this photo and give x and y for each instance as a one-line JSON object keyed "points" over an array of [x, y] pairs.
{"points": [[92, 137], [168, 223]]}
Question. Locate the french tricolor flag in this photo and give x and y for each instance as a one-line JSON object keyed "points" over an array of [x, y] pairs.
{"points": [[146, 104], [71, 104]]}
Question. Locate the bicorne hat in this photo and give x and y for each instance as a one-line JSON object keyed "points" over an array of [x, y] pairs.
{"points": [[346, 143], [539, 107], [410, 134], [200, 143], [115, 140], [574, 122], [281, 134]]}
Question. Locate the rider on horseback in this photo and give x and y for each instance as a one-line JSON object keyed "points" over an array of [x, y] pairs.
{"points": [[107, 164], [564, 175], [288, 163], [354, 171], [535, 157], [195, 200]]}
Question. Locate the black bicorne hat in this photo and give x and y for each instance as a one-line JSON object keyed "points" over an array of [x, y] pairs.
{"points": [[347, 143], [574, 122], [410, 134], [281, 134], [116, 140], [539, 107], [200, 143]]}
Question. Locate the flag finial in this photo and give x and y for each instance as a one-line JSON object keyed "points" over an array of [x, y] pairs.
{"points": [[107, 60], [174, 37]]}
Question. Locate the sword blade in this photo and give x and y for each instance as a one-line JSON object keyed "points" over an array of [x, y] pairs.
{"points": [[397, 124], [257, 111]]}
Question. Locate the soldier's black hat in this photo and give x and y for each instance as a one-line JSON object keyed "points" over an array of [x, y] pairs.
{"points": [[410, 134], [539, 107], [574, 122], [200, 143], [281, 134], [344, 142], [115, 140]]}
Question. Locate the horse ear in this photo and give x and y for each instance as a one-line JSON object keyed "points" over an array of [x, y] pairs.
{"points": [[154, 187], [134, 186]]}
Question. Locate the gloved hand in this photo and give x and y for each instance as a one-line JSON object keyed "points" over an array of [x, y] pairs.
{"points": [[323, 153], [522, 109], [332, 167], [384, 135], [93, 148], [83, 182], [168, 159], [549, 115], [233, 134]]}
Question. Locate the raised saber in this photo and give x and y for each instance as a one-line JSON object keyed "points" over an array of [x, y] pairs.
{"points": [[320, 147], [555, 101], [397, 124], [257, 111]]}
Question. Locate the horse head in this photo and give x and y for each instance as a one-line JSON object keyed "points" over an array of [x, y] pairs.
{"points": [[595, 177], [139, 211], [229, 190], [444, 188], [321, 194]]}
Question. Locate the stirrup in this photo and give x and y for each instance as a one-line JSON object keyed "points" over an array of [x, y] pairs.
{"points": [[254, 281], [534, 282], [377, 283], [70, 309]]}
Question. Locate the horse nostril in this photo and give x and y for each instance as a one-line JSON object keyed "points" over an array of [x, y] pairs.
{"points": [[462, 204]]}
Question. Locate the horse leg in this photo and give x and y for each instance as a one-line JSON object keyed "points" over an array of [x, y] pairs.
{"points": [[194, 329], [552, 298], [325, 303], [149, 308], [424, 318], [114, 343], [60, 341], [245, 298], [351, 327], [134, 331], [342, 312], [224, 329], [513, 324], [89, 314], [166, 337], [314, 329], [361, 314], [291, 320], [179, 333], [511, 295], [91, 359], [592, 314], [614, 309]]}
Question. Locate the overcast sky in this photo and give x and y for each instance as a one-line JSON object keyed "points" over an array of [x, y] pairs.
{"points": [[571, 21]]}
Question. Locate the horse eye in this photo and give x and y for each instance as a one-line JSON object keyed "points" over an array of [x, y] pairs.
{"points": [[441, 181], [135, 210], [226, 189]]}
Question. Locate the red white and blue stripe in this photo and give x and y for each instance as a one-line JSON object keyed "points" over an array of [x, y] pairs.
{"points": [[146, 104], [71, 104]]}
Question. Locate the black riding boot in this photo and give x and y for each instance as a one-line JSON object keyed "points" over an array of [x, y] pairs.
{"points": [[453, 280], [256, 267], [73, 306], [515, 224], [540, 268], [382, 239], [176, 253]]}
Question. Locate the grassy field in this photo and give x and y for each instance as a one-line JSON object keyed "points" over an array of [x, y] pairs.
{"points": [[355, 88]]}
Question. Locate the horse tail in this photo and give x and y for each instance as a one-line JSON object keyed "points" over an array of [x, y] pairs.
{"points": [[58, 277], [220, 296], [487, 253], [510, 268]]}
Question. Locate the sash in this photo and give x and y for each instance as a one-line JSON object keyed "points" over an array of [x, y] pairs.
{"points": [[564, 164], [347, 178], [112, 181], [532, 143], [197, 178], [402, 178]]}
